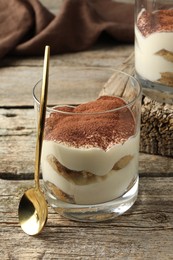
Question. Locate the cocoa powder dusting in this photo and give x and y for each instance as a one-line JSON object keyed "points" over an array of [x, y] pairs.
{"points": [[159, 21], [96, 130]]}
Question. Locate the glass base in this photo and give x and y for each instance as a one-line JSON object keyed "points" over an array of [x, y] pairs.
{"points": [[97, 212], [155, 90]]}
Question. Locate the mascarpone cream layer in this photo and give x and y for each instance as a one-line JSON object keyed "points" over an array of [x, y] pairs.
{"points": [[105, 189], [94, 160], [109, 184], [148, 64]]}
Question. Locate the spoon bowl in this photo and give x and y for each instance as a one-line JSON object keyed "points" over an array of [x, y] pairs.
{"points": [[33, 206], [33, 211]]}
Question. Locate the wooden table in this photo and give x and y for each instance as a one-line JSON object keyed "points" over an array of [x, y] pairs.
{"points": [[144, 232]]}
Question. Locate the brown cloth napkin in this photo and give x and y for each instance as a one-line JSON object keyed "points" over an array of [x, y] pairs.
{"points": [[26, 26]]}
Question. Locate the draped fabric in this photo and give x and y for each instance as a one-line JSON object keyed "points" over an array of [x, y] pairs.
{"points": [[26, 26]]}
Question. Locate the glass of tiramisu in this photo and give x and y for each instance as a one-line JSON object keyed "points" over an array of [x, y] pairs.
{"points": [[154, 45], [91, 142]]}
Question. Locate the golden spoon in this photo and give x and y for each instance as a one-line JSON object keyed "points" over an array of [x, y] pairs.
{"points": [[33, 207]]}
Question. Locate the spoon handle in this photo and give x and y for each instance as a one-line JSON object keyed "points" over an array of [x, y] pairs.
{"points": [[41, 122]]}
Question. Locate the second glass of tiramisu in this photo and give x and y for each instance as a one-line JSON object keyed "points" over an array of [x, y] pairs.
{"points": [[154, 46], [91, 142]]}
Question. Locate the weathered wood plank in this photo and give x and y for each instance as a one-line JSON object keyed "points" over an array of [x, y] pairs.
{"points": [[17, 148], [18, 76], [144, 232], [105, 53]]}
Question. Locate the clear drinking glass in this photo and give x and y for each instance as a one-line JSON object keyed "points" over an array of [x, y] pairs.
{"points": [[91, 142], [154, 44]]}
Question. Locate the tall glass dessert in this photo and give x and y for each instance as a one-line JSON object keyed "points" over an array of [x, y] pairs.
{"points": [[154, 44], [90, 150]]}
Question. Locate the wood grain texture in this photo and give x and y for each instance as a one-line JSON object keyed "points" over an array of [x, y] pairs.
{"points": [[18, 76], [157, 127], [144, 232]]}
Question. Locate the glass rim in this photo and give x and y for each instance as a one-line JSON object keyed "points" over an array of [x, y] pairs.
{"points": [[52, 109]]}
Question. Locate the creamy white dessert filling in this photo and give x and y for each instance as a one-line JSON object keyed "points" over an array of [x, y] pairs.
{"points": [[109, 183], [93, 160], [98, 192], [149, 61]]}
